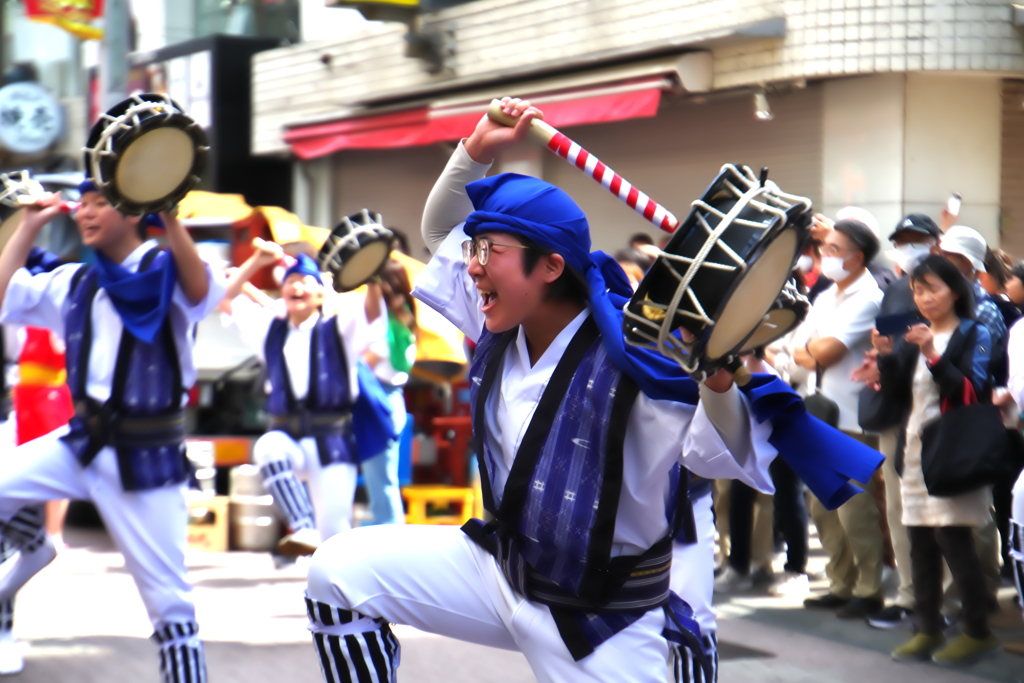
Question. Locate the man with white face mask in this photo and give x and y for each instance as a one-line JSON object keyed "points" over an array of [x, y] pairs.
{"points": [[914, 238], [838, 333]]}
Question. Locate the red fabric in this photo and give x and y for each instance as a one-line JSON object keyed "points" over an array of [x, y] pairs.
{"points": [[969, 398], [78, 10], [416, 127], [41, 408]]}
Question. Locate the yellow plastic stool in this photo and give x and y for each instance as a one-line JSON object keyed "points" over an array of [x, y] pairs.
{"points": [[419, 497]]}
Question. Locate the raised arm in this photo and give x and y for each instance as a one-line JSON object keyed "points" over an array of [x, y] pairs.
{"points": [[193, 277], [264, 254], [16, 252], [448, 204]]}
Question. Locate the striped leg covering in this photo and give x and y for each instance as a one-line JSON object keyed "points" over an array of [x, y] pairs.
{"points": [[686, 668], [352, 647], [1017, 555], [6, 616], [181, 653], [289, 494], [25, 531]]}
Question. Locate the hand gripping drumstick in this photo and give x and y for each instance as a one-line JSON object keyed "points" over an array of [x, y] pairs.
{"points": [[592, 166]]}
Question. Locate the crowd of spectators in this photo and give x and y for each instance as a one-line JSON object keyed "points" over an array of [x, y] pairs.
{"points": [[950, 308]]}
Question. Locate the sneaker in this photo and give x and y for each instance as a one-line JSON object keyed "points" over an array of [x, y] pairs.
{"points": [[301, 542], [732, 581], [24, 567], [860, 608], [11, 660], [762, 579], [791, 583], [826, 601], [919, 648], [892, 617], [966, 650]]}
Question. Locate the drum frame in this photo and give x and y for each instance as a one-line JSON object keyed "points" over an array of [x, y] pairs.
{"points": [[18, 184], [749, 190], [370, 223], [799, 303], [101, 146]]}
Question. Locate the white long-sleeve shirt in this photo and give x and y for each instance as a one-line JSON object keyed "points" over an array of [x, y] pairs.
{"points": [[357, 334], [658, 433], [42, 300]]}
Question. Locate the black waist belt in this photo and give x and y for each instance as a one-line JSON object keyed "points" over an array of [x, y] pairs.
{"points": [[303, 423], [108, 427], [628, 584]]}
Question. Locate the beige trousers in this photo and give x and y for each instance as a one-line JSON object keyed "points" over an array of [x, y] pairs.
{"points": [[894, 514], [852, 537]]}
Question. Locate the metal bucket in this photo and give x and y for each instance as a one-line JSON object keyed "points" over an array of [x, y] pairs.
{"points": [[246, 480], [254, 523]]}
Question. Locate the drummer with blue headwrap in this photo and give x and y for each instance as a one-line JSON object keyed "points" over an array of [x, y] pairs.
{"points": [[311, 343], [586, 449], [128, 324]]}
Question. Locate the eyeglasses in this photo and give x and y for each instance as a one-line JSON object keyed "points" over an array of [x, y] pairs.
{"points": [[481, 248], [832, 250]]}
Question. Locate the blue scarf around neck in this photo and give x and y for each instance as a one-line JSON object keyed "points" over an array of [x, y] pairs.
{"points": [[141, 299]]}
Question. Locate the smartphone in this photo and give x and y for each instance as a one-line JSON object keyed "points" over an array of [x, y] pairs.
{"points": [[897, 323], [953, 204]]}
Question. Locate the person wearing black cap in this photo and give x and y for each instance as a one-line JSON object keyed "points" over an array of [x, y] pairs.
{"points": [[838, 334], [914, 238]]}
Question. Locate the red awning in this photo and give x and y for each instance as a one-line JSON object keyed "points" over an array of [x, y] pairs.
{"points": [[426, 125]]}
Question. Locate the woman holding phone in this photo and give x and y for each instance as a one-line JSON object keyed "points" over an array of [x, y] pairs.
{"points": [[933, 365]]}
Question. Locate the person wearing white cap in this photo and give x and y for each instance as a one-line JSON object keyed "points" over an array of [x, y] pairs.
{"points": [[966, 249]]}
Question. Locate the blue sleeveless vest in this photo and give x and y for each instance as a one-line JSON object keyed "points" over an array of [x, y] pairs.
{"points": [[143, 419], [555, 519], [325, 413]]}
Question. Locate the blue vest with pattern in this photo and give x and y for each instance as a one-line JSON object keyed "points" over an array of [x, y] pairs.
{"points": [[147, 384], [555, 518], [329, 389]]}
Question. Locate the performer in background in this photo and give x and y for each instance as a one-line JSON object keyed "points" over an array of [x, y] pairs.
{"points": [[579, 438], [392, 359], [128, 325], [311, 344]]}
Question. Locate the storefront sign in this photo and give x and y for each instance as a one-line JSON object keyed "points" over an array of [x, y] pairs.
{"points": [[31, 119], [74, 16]]}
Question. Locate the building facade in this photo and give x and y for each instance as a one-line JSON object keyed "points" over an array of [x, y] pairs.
{"points": [[887, 104]]}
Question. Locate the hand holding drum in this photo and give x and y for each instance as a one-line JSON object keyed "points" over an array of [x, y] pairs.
{"points": [[593, 167]]}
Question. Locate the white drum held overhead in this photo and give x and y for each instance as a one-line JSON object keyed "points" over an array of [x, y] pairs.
{"points": [[145, 154], [356, 250], [721, 274]]}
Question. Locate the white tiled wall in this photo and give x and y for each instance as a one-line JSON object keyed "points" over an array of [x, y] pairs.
{"points": [[824, 38]]}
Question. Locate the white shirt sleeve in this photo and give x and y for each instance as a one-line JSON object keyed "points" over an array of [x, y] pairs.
{"points": [[194, 312], [726, 442], [1015, 351], [38, 299], [445, 286], [252, 322], [358, 332], [448, 204]]}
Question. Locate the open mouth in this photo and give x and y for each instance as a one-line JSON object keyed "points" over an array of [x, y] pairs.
{"points": [[90, 231], [489, 299]]}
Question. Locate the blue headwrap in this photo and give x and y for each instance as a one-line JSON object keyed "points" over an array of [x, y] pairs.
{"points": [[531, 208], [150, 219], [303, 265]]}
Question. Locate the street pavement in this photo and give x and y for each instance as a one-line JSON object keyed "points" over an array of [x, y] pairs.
{"points": [[81, 621]]}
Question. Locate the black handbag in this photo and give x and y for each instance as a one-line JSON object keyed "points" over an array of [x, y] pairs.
{"points": [[876, 412], [821, 406], [965, 449]]}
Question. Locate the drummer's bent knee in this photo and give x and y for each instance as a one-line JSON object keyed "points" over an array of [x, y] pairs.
{"points": [[342, 562], [272, 447]]}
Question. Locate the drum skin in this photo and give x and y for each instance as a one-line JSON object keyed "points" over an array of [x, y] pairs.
{"points": [[788, 311], [145, 154], [736, 299]]}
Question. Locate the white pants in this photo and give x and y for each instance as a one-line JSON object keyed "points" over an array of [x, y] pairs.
{"points": [[436, 579], [331, 489], [693, 567], [148, 527]]}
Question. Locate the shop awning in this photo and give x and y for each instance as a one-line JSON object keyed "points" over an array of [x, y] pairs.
{"points": [[442, 121]]}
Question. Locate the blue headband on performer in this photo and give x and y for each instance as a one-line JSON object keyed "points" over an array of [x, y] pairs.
{"points": [[304, 265], [528, 207], [150, 219]]}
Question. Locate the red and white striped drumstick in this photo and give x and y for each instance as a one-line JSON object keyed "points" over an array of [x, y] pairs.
{"points": [[593, 167]]}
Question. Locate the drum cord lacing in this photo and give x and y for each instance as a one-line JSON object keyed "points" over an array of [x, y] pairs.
{"points": [[666, 342], [18, 184]]}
